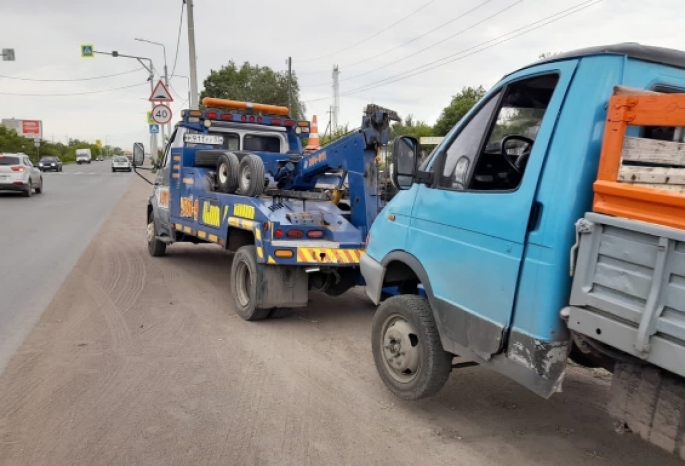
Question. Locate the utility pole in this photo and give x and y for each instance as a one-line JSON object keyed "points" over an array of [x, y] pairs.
{"points": [[194, 103], [336, 98], [290, 85], [166, 81]]}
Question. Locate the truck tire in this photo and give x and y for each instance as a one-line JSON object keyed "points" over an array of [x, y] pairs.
{"points": [[227, 169], [406, 348], [251, 175], [245, 277], [207, 158], [155, 247]]}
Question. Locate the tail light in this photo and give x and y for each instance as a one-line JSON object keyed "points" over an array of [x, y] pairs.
{"points": [[17, 168], [295, 233], [278, 233], [315, 234]]}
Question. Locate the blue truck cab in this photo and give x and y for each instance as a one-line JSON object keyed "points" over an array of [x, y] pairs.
{"points": [[235, 175], [486, 225]]}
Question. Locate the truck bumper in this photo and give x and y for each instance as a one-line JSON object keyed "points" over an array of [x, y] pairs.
{"points": [[373, 272]]}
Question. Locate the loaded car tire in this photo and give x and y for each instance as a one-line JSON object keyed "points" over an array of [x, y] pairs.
{"points": [[227, 168], [207, 158], [251, 176], [245, 276], [155, 247], [406, 348]]}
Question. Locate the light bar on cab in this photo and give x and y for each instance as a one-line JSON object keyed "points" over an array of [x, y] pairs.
{"points": [[238, 105]]}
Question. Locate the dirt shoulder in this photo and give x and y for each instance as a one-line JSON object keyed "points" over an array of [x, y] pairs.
{"points": [[142, 361]]}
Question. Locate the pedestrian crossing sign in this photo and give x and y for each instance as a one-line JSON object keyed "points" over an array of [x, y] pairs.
{"points": [[154, 129], [87, 51]]}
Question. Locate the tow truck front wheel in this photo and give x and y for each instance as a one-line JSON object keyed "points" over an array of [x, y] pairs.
{"points": [[406, 348], [155, 247]]}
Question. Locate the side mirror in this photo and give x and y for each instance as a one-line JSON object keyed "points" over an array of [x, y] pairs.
{"points": [[405, 151], [138, 154]]}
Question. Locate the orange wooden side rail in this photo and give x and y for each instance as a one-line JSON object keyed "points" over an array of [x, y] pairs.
{"points": [[626, 200]]}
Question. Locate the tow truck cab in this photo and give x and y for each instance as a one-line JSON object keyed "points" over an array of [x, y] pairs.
{"points": [[486, 225]]}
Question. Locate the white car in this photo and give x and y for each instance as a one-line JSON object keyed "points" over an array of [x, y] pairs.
{"points": [[17, 173], [121, 162]]}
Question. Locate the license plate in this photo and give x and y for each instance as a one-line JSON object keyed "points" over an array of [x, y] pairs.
{"points": [[203, 139]]}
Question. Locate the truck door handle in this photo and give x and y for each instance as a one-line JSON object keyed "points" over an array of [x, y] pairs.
{"points": [[535, 215]]}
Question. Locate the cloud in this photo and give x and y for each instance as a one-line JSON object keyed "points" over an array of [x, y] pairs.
{"points": [[46, 35]]}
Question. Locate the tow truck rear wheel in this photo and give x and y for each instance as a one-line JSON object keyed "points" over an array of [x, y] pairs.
{"points": [[251, 178], [227, 169], [244, 280], [406, 348]]}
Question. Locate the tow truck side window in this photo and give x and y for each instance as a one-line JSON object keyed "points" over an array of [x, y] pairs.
{"points": [[231, 141]]}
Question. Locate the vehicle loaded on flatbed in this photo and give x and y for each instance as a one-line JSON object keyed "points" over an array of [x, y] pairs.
{"points": [[235, 174]]}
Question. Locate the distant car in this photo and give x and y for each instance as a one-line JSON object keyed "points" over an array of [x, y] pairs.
{"points": [[99, 158], [121, 162], [17, 173], [49, 162]]}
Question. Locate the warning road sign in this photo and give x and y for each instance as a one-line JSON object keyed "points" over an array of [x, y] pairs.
{"points": [[161, 114], [161, 93]]}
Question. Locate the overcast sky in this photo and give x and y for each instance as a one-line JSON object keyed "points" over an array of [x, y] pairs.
{"points": [[464, 48]]}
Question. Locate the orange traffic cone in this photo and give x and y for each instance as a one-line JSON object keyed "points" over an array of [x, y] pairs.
{"points": [[313, 143]]}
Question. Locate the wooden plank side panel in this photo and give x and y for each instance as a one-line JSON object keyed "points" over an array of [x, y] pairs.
{"points": [[653, 151], [651, 175]]}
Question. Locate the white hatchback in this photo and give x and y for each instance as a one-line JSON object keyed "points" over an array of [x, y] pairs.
{"points": [[121, 162]]}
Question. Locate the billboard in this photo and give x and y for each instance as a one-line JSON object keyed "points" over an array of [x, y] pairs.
{"points": [[27, 128]]}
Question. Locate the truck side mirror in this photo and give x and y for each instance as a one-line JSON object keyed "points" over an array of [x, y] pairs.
{"points": [[138, 154], [405, 151]]}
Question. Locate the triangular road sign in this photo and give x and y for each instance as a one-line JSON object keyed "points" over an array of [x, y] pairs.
{"points": [[161, 93]]}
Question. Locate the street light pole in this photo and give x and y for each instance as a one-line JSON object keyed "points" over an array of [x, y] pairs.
{"points": [[194, 104], [187, 83], [166, 81], [151, 70]]}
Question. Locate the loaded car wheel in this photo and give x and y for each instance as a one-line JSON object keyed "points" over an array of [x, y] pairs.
{"points": [[251, 175], [227, 169], [406, 348], [155, 247]]}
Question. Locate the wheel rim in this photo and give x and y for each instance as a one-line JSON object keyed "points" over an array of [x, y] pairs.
{"points": [[150, 232], [245, 177], [223, 173], [243, 284], [401, 349]]}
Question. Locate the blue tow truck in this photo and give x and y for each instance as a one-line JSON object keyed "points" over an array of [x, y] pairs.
{"points": [[235, 174], [499, 256]]}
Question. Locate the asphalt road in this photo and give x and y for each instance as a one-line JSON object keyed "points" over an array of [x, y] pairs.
{"points": [[142, 361], [42, 238]]}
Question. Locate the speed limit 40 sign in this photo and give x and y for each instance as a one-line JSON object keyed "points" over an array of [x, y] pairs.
{"points": [[161, 114]]}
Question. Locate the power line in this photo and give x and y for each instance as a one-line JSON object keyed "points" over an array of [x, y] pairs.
{"points": [[499, 40], [16, 78], [372, 36], [178, 41], [75, 93], [497, 13]]}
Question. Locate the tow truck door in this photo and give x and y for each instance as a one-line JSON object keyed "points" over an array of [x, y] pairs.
{"points": [[164, 196], [469, 235]]}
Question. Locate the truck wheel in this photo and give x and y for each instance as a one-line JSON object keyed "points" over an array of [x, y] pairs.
{"points": [[227, 172], [406, 348], [155, 247], [251, 178], [244, 280]]}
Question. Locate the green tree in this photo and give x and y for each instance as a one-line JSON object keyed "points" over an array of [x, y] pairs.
{"points": [[253, 83], [458, 107], [337, 134], [409, 127]]}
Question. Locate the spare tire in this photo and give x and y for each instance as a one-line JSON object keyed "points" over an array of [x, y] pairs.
{"points": [[208, 158], [227, 169], [251, 176]]}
